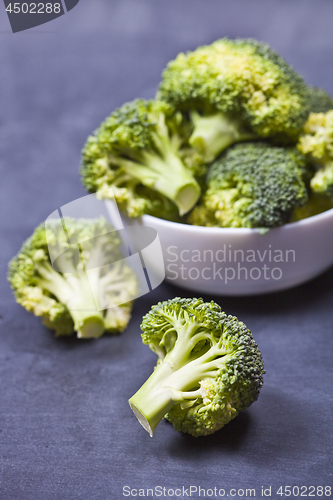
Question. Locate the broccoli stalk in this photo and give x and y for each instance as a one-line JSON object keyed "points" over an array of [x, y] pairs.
{"points": [[215, 132], [209, 369], [163, 172], [74, 291], [173, 379]]}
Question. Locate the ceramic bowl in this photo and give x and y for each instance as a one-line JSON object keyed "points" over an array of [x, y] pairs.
{"points": [[243, 261]]}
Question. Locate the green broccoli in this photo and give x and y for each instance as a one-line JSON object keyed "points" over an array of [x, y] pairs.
{"points": [[252, 185], [141, 152], [234, 91], [209, 367], [89, 261], [316, 204], [320, 100], [317, 143]]}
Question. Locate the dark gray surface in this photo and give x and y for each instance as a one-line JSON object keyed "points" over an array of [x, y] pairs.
{"points": [[66, 429]]}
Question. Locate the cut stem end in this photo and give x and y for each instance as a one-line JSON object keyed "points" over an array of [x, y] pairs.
{"points": [[187, 197], [90, 328], [142, 419]]}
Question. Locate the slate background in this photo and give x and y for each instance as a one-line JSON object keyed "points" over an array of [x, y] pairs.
{"points": [[66, 429]]}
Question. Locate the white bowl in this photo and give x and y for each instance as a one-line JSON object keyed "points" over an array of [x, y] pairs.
{"points": [[242, 261]]}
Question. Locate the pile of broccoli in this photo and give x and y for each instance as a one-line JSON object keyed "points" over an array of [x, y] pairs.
{"points": [[234, 138], [89, 288], [172, 157]]}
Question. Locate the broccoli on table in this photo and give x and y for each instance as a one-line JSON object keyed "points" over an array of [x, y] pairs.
{"points": [[209, 367], [141, 152], [317, 143], [252, 185], [234, 91], [64, 298]]}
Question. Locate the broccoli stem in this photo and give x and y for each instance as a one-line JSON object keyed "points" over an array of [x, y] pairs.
{"points": [[88, 324], [73, 290], [152, 401], [165, 387], [165, 172], [215, 132], [177, 378], [156, 397], [174, 181]]}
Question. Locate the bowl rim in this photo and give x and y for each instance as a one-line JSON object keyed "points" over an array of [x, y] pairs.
{"points": [[290, 226]]}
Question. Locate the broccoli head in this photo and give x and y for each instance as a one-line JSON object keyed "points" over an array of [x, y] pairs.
{"points": [[90, 288], [320, 100], [317, 143], [142, 153], [209, 367], [236, 90], [252, 185]]}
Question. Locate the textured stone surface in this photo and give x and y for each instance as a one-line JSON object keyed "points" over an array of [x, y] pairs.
{"points": [[67, 431]]}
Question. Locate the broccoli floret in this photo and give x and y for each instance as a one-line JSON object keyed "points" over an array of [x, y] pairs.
{"points": [[252, 185], [136, 152], [322, 182], [317, 143], [90, 288], [320, 100], [236, 90], [209, 367]]}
